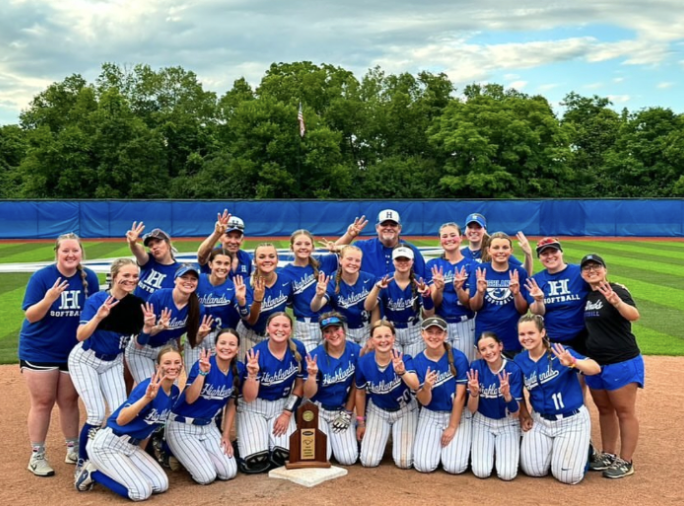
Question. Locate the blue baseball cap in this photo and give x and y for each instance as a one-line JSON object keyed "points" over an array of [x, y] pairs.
{"points": [[476, 218], [186, 268], [330, 321]]}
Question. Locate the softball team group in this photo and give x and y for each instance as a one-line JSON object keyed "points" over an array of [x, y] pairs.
{"points": [[467, 360]]}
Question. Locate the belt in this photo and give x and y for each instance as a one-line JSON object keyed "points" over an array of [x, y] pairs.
{"points": [[331, 408], [559, 416], [128, 439], [458, 319], [190, 421], [107, 357], [400, 325], [307, 319]]}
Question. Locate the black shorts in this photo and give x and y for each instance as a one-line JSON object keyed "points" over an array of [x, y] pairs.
{"points": [[44, 366]]}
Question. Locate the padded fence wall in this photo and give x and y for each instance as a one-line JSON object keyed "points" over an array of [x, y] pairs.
{"points": [[101, 219]]}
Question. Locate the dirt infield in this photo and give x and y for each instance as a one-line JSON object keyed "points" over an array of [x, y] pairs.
{"points": [[657, 461]]}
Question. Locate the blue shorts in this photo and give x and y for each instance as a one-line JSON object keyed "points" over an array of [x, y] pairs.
{"points": [[614, 376]]}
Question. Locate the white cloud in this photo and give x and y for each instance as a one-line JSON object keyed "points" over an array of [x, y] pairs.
{"points": [[665, 85], [517, 85], [548, 87], [618, 79], [619, 99], [593, 86]]}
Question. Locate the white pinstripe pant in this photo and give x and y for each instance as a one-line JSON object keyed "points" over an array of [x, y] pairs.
{"points": [[309, 333], [360, 335], [127, 464], [198, 448], [409, 341], [495, 437], [192, 355], [248, 338], [462, 337], [428, 450], [401, 424], [97, 382], [562, 446], [255, 426], [342, 445]]}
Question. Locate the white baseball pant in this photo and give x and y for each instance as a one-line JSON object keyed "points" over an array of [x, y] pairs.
{"points": [[462, 337], [248, 338], [401, 424], [342, 445], [359, 336], [495, 437], [429, 452], [255, 426], [309, 333], [409, 341], [192, 355], [143, 361]]}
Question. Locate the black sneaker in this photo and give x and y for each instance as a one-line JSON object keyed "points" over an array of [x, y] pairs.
{"points": [[601, 461], [619, 469]]}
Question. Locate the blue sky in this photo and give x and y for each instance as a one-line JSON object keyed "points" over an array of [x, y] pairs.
{"points": [[629, 51]]}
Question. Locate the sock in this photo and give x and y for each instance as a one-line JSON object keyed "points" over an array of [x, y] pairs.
{"points": [[85, 434], [71, 444], [38, 447], [114, 486]]}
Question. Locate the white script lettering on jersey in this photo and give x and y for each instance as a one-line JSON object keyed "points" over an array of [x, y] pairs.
{"points": [[299, 286], [272, 302], [385, 387], [401, 304], [154, 416], [353, 299], [532, 381], [340, 375], [210, 300], [213, 393], [177, 324], [491, 392], [273, 379]]}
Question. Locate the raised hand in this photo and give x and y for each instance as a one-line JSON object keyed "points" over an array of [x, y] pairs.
{"points": [[357, 227], [133, 234], [55, 291], [252, 365], [430, 379], [524, 243], [328, 245], [438, 277], [204, 364], [259, 288], [222, 222], [398, 362], [533, 288], [240, 288], [205, 327], [322, 285], [384, 281], [312, 365], [149, 318], [610, 295], [514, 285], [165, 318], [155, 384], [473, 382], [460, 277], [481, 276], [422, 287], [504, 385], [106, 308], [566, 358]]}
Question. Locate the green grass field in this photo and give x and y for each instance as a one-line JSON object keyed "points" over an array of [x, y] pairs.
{"points": [[652, 270]]}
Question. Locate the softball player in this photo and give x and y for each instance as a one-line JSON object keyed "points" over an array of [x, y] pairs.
{"points": [[385, 402], [608, 314], [495, 293], [116, 459], [158, 266], [444, 426], [191, 433], [449, 280], [330, 384], [264, 416], [558, 437], [558, 293], [478, 242], [402, 299], [220, 297], [495, 387], [304, 273], [168, 314], [347, 294], [268, 293], [53, 301], [96, 363]]}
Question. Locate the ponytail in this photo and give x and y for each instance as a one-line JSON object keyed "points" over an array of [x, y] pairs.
{"points": [[450, 358], [193, 321]]}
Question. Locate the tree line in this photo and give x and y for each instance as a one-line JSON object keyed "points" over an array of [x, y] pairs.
{"points": [[140, 133]]}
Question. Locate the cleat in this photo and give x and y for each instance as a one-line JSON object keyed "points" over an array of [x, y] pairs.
{"points": [[71, 457]]}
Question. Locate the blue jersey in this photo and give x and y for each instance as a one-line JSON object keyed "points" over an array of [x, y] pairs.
{"points": [[276, 300], [304, 285], [244, 267], [163, 299], [397, 304], [554, 389], [155, 276], [444, 389], [377, 258], [52, 338], [476, 256], [498, 313], [492, 404], [220, 302], [150, 418], [218, 388], [384, 387], [564, 295], [277, 377], [451, 309], [107, 342], [335, 375], [351, 298]]}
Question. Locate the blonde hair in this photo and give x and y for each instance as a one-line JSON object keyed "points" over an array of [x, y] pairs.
{"points": [[486, 245], [343, 250], [312, 261], [256, 272], [118, 264], [290, 343], [81, 270]]}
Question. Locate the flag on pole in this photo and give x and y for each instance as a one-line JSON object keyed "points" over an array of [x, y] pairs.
{"points": [[300, 118]]}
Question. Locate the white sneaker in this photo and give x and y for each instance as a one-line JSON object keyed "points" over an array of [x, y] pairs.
{"points": [[84, 480], [39, 465], [71, 457]]}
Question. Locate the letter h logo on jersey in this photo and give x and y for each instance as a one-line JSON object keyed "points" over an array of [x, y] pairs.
{"points": [[155, 279], [559, 287], [69, 299]]}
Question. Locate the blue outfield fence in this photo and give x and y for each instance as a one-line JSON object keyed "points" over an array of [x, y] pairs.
{"points": [[102, 219]]}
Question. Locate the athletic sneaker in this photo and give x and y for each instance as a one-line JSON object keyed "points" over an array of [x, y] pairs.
{"points": [[619, 469], [71, 457], [174, 463], [601, 461], [84, 480], [39, 465]]}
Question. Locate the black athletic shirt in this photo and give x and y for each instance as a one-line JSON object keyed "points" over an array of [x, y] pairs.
{"points": [[610, 339]]}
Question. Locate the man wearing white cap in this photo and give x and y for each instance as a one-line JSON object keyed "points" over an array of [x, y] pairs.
{"points": [[377, 252], [230, 231]]}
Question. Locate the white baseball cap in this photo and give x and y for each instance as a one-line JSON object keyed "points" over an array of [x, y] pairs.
{"points": [[235, 223], [402, 252], [389, 215]]}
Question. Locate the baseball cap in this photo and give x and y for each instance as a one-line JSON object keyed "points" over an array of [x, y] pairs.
{"points": [[476, 218], [330, 321], [548, 242], [186, 268], [592, 257], [402, 252], [434, 321], [389, 215], [235, 223], [157, 233]]}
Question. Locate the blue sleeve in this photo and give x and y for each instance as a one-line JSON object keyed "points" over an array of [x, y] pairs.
{"points": [[192, 374], [330, 291], [359, 378], [515, 262], [35, 290], [408, 363], [461, 363], [90, 308], [328, 263], [93, 282], [516, 383], [472, 282]]}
